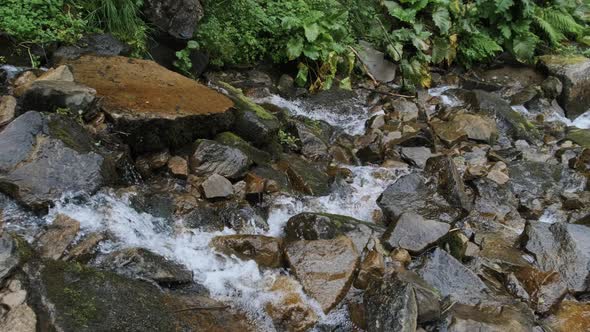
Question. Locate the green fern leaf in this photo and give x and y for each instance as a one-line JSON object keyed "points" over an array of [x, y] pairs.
{"points": [[442, 19]]}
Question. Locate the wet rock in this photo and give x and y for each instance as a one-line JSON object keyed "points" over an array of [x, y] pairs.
{"points": [[372, 268], [574, 73], [375, 62], [142, 263], [494, 199], [509, 121], [264, 250], [405, 110], [543, 289], [580, 137], [290, 312], [427, 298], [312, 146], [306, 177], [7, 109], [414, 233], [464, 125], [570, 316], [552, 87], [58, 236], [238, 216], [324, 226], [178, 167], [8, 256], [253, 122], [276, 180], [561, 247], [73, 297], [216, 186], [326, 283], [98, 44], [522, 97], [178, 18], [390, 305], [416, 155], [86, 248], [259, 157], [494, 319], [449, 182], [452, 279], [411, 193], [48, 96], [19, 319], [42, 156], [170, 111], [211, 157]]}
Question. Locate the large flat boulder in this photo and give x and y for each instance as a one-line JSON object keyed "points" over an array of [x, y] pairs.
{"points": [[43, 156], [574, 73], [155, 107]]}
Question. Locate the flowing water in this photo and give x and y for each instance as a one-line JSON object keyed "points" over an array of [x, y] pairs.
{"points": [[240, 283]]}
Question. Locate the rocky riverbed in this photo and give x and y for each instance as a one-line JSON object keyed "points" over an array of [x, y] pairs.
{"points": [[136, 199]]}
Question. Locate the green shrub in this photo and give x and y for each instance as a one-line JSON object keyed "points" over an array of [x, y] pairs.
{"points": [[40, 21]]}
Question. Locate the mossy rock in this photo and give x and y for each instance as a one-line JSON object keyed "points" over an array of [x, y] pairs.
{"points": [[306, 177], [72, 297], [580, 137], [258, 156]]}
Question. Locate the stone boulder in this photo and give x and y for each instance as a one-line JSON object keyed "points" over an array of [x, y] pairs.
{"points": [[414, 233], [96, 44], [326, 283], [411, 193], [43, 156], [561, 247], [510, 122], [390, 305], [7, 109], [210, 157], [178, 18], [476, 127], [217, 186], [58, 236], [144, 264], [264, 250], [50, 95], [493, 319], [574, 73], [306, 177], [569, 316], [453, 279], [72, 297], [324, 226], [155, 107], [290, 312], [259, 157]]}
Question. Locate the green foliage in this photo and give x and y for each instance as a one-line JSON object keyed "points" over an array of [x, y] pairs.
{"points": [[313, 33], [183, 61], [40, 21], [287, 140]]}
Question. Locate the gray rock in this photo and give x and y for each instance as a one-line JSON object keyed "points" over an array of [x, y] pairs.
{"points": [[43, 156], [8, 256], [178, 18], [390, 305], [99, 44], [411, 193], [7, 109], [510, 122], [380, 68], [306, 177], [490, 319], [216, 186], [47, 96], [427, 298], [316, 226], [211, 157], [561, 247], [312, 146], [326, 283], [258, 156], [452, 279], [574, 73], [417, 155], [552, 87], [414, 233], [407, 110], [240, 217], [448, 180], [142, 263]]}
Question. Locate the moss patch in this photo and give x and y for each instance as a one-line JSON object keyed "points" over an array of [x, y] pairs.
{"points": [[243, 103], [580, 137]]}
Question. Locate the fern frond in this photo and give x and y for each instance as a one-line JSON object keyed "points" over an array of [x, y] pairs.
{"points": [[554, 35], [478, 47], [562, 21]]}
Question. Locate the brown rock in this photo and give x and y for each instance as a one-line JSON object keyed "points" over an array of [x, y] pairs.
{"points": [[178, 167], [58, 236], [85, 249], [570, 316], [61, 73], [327, 283], [264, 250], [371, 268], [153, 104], [7, 109], [255, 186], [290, 312]]}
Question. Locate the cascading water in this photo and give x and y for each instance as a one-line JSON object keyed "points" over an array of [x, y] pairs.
{"points": [[241, 284]]}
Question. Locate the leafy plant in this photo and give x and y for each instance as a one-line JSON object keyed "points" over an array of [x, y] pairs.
{"points": [[40, 21], [183, 61], [287, 140]]}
